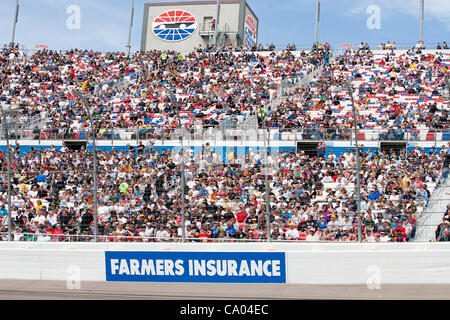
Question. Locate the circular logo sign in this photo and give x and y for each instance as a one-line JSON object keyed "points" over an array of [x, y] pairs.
{"points": [[250, 31], [174, 25]]}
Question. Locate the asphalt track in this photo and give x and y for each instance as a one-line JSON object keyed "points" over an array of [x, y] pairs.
{"points": [[58, 290]]}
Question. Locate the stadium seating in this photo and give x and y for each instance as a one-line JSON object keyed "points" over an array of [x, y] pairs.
{"points": [[398, 96]]}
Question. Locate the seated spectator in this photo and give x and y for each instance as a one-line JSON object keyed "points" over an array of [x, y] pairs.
{"points": [[292, 233]]}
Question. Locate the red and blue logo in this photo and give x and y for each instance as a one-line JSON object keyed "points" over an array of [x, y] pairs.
{"points": [[174, 25], [250, 31]]}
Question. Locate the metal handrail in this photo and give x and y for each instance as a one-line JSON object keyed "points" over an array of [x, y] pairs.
{"points": [[44, 237], [246, 128]]}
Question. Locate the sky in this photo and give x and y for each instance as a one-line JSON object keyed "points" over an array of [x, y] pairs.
{"points": [[102, 25]]}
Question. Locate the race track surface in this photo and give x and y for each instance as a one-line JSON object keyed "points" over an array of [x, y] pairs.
{"points": [[59, 290]]}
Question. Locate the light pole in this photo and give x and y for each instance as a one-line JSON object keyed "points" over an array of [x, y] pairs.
{"points": [[422, 5], [16, 17], [86, 108], [183, 227], [131, 25], [266, 176], [5, 128], [183, 222], [316, 32], [8, 150], [358, 164]]}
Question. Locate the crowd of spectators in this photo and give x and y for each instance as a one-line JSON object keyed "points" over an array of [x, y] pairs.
{"points": [[230, 48], [443, 229], [385, 46], [443, 46], [254, 48], [311, 198], [396, 94], [208, 87]]}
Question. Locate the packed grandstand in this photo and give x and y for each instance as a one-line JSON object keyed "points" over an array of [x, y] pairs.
{"points": [[149, 100]]}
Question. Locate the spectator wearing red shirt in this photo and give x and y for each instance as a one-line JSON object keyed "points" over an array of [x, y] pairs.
{"points": [[58, 231], [49, 229], [241, 215], [205, 232], [400, 228], [302, 234]]}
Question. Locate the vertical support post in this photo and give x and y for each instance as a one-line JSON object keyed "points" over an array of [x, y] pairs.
{"points": [[448, 88], [131, 25], [183, 231], [216, 28], [358, 164], [16, 18], [421, 20], [266, 176], [183, 223], [86, 108], [317, 22], [435, 138], [95, 189], [8, 150]]}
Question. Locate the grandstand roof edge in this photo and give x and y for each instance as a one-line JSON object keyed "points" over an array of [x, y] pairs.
{"points": [[191, 2], [251, 10]]}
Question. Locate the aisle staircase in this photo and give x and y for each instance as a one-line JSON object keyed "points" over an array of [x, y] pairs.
{"points": [[432, 216]]}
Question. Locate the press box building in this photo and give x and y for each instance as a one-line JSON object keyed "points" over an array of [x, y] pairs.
{"points": [[188, 25]]}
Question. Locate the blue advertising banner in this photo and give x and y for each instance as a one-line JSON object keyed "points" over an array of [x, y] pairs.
{"points": [[223, 267]]}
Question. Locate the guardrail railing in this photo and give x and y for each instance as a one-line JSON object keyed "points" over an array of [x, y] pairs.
{"points": [[49, 237], [232, 133]]}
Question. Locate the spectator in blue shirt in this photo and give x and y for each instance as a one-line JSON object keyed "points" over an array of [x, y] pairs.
{"points": [[322, 223], [203, 192], [230, 231], [287, 215], [369, 154], [3, 210], [407, 196], [423, 193], [299, 190], [374, 195], [394, 223], [215, 230]]}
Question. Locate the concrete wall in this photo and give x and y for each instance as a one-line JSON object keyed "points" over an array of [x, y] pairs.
{"points": [[222, 149], [306, 263]]}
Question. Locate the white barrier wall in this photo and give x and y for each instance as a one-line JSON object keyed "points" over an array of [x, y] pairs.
{"points": [[306, 263]]}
